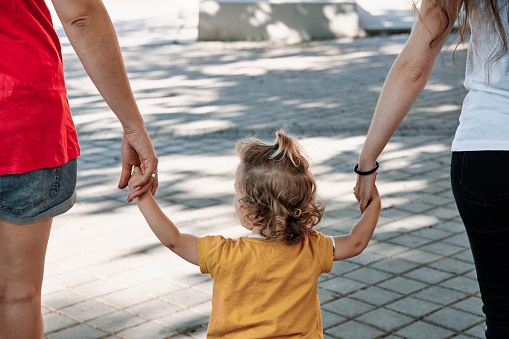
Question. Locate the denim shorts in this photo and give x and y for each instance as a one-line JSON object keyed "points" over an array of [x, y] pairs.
{"points": [[38, 195]]}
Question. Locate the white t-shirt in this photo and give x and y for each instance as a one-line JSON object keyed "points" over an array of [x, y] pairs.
{"points": [[484, 119]]}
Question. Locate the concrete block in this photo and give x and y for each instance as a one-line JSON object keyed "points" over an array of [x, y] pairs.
{"points": [[288, 22]]}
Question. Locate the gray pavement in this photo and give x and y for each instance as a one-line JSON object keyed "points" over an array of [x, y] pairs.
{"points": [[107, 276]]}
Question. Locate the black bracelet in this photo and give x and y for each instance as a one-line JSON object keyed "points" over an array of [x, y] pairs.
{"points": [[356, 169]]}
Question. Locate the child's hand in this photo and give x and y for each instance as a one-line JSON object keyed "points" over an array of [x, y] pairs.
{"points": [[375, 196], [135, 177]]}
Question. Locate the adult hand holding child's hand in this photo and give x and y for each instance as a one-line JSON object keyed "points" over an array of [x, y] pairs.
{"points": [[364, 190], [136, 175]]}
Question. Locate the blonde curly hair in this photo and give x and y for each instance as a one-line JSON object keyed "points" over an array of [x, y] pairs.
{"points": [[278, 190]]}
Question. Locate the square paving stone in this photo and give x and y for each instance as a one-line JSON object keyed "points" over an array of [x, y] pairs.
{"points": [[347, 307], [206, 286], [419, 256], [326, 295], [342, 267], [439, 295], [125, 298], [366, 258], [410, 240], [341, 285], [148, 330], [188, 297], [368, 275], [442, 248], [402, 285], [353, 329], [386, 249], [72, 278], [413, 307], [462, 284], [472, 305], [153, 309], [395, 266], [452, 266], [384, 235], [422, 330], [200, 333], [452, 226], [415, 207], [453, 319], [158, 287], [52, 268], [427, 275], [330, 319], [106, 269], [431, 233], [98, 287], [87, 310], [477, 331], [444, 213], [54, 322], [376, 296], [117, 321], [184, 320], [190, 279], [472, 274], [131, 277], [466, 255], [62, 298], [49, 288], [435, 200], [384, 319], [80, 331], [460, 239]]}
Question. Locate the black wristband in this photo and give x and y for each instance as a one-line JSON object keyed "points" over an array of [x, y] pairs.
{"points": [[356, 169]]}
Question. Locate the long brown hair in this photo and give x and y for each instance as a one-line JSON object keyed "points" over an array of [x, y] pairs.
{"points": [[473, 11], [278, 190]]}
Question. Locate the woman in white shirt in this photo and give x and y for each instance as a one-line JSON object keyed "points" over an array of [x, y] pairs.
{"points": [[480, 150]]}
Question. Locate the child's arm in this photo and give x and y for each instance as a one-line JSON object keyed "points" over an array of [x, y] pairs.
{"points": [[353, 244], [184, 245]]}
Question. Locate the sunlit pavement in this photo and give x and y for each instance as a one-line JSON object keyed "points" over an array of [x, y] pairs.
{"points": [[107, 276]]}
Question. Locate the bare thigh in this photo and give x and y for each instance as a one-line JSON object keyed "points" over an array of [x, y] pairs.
{"points": [[22, 254]]}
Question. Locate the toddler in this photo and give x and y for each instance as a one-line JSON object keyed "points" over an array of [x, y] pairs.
{"points": [[266, 284]]}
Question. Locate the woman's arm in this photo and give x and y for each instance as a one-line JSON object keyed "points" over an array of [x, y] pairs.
{"points": [[403, 85], [184, 245], [353, 244], [91, 33]]}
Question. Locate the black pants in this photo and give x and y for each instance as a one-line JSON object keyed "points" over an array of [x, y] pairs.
{"points": [[480, 183]]}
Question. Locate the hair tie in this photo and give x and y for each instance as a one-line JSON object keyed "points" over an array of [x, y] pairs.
{"points": [[297, 213], [276, 151]]}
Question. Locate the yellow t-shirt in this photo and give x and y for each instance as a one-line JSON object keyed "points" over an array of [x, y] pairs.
{"points": [[265, 288]]}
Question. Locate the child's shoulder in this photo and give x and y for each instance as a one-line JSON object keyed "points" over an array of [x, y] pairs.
{"points": [[314, 234], [218, 241]]}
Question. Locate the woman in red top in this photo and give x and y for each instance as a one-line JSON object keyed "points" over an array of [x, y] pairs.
{"points": [[38, 142]]}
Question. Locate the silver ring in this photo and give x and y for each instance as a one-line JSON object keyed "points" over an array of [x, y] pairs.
{"points": [[154, 176]]}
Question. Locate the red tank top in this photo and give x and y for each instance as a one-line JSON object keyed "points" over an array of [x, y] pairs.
{"points": [[36, 128]]}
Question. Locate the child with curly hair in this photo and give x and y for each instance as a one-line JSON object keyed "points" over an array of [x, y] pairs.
{"points": [[266, 284]]}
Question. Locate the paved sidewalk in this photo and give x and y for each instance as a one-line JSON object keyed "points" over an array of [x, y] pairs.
{"points": [[107, 276]]}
